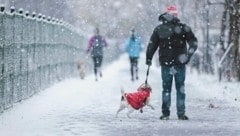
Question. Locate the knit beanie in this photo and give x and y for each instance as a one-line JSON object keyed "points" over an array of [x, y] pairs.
{"points": [[172, 10]]}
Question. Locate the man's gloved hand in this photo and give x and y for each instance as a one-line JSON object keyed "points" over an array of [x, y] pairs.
{"points": [[184, 59], [149, 62], [189, 55]]}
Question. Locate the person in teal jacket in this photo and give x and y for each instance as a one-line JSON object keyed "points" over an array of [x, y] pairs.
{"points": [[133, 48]]}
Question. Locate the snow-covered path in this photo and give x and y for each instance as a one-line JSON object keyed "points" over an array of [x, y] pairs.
{"points": [[77, 107]]}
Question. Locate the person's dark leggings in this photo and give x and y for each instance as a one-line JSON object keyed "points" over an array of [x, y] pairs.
{"points": [[134, 66], [97, 62], [178, 72]]}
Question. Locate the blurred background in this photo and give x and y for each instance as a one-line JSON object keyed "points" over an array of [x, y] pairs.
{"points": [[215, 22]]}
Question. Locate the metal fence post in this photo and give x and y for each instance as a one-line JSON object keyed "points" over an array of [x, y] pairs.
{"points": [[8, 60], [1, 62]]}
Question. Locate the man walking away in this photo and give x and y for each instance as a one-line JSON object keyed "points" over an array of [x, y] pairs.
{"points": [[171, 38]]}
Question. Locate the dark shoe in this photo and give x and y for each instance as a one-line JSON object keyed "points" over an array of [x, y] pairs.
{"points": [[182, 117], [132, 79], [164, 117]]}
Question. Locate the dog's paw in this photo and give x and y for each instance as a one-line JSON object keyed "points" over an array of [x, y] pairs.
{"points": [[116, 115]]}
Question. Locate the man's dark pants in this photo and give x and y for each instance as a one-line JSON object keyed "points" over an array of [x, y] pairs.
{"points": [[178, 72]]}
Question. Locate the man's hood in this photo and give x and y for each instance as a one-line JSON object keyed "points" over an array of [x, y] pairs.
{"points": [[167, 18]]}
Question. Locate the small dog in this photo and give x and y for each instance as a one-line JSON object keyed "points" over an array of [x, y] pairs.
{"points": [[81, 68], [135, 100]]}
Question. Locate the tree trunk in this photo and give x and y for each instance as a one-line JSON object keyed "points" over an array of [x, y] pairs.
{"points": [[234, 36], [223, 26]]}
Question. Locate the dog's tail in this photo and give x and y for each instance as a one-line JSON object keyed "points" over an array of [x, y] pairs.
{"points": [[122, 91]]}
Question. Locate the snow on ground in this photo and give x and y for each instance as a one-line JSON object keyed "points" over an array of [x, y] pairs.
{"points": [[77, 107]]}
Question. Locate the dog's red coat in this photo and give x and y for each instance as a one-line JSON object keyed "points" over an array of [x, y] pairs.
{"points": [[137, 99]]}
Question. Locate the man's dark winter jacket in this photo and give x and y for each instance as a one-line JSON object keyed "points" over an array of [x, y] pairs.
{"points": [[171, 37]]}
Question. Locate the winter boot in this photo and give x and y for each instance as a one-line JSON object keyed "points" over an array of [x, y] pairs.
{"points": [[132, 79], [164, 117], [182, 117]]}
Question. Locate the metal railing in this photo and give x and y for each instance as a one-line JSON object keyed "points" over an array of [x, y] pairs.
{"points": [[35, 53], [220, 63]]}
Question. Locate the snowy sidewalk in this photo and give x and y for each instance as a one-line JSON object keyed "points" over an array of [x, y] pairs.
{"points": [[87, 108]]}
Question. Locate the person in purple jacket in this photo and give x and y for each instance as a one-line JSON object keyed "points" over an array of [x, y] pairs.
{"points": [[95, 46]]}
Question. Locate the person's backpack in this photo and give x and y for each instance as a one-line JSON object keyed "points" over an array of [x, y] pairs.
{"points": [[97, 49]]}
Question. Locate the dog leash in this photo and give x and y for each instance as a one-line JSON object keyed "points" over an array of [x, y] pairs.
{"points": [[147, 74]]}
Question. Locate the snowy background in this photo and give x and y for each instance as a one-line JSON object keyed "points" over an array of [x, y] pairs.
{"points": [[116, 17], [88, 108]]}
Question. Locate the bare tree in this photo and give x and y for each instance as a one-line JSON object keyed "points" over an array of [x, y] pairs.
{"points": [[234, 35], [223, 26]]}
